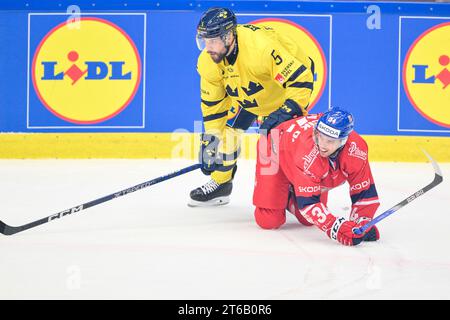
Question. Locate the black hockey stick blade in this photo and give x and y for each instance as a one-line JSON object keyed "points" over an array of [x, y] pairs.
{"points": [[3, 228]]}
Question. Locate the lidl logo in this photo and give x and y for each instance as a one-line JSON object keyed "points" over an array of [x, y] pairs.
{"points": [[94, 70], [311, 47], [421, 74], [426, 74], [86, 74]]}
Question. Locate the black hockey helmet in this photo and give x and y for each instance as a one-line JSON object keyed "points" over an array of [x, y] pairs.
{"points": [[216, 22]]}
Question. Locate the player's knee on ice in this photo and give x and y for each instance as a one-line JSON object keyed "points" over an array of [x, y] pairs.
{"points": [[270, 218]]}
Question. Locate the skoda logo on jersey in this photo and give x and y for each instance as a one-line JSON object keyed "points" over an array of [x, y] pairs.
{"points": [[88, 74], [426, 74]]}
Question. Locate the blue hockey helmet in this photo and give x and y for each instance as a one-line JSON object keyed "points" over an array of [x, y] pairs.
{"points": [[336, 123], [215, 22]]}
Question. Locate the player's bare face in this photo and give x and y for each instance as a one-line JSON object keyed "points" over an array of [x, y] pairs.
{"points": [[327, 146], [216, 49]]}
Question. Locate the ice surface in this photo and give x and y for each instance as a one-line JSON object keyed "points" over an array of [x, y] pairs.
{"points": [[151, 245]]}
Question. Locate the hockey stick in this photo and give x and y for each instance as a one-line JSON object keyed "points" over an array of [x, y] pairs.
{"points": [[437, 179], [9, 230]]}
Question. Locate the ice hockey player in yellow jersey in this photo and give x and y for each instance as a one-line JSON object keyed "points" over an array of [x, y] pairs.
{"points": [[246, 71]]}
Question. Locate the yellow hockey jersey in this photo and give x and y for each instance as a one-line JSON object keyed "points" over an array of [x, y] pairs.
{"points": [[270, 68]]}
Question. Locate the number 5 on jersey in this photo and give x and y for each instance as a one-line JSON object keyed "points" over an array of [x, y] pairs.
{"points": [[277, 58]]}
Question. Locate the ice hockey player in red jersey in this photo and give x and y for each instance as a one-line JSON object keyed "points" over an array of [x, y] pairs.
{"points": [[300, 161]]}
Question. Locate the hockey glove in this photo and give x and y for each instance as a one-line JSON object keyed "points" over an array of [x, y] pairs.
{"points": [[342, 232], [208, 153], [370, 235], [288, 110]]}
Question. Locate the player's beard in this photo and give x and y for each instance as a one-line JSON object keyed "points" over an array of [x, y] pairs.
{"points": [[217, 57]]}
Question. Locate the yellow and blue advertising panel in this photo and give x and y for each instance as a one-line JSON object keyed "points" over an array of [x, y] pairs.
{"points": [[424, 74], [130, 67], [86, 72]]}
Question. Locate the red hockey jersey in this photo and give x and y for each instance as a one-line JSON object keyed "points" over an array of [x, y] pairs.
{"points": [[311, 175]]}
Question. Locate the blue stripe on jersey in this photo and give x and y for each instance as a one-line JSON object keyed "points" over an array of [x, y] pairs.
{"points": [[307, 85], [306, 201], [295, 75], [212, 103], [215, 116], [365, 194]]}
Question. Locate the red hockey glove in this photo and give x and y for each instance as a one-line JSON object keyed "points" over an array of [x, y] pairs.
{"points": [[342, 231]]}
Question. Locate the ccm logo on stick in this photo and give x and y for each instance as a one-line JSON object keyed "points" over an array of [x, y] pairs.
{"points": [[65, 212]]}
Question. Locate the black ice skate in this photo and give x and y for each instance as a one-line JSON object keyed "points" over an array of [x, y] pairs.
{"points": [[211, 194]]}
